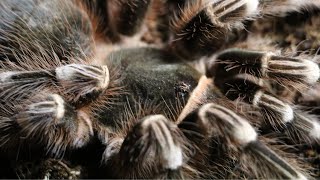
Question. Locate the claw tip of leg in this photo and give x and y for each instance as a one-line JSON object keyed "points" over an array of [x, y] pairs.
{"points": [[288, 114], [313, 73], [315, 131], [252, 6], [60, 110], [105, 82], [174, 158]]}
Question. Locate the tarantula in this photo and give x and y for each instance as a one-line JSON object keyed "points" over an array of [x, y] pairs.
{"points": [[181, 105]]}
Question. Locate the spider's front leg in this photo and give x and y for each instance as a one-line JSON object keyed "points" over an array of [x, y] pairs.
{"points": [[50, 121], [61, 121], [201, 27], [78, 83], [153, 148], [240, 74]]}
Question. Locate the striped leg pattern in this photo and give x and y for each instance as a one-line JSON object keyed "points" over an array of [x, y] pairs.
{"points": [[246, 74], [57, 103]]}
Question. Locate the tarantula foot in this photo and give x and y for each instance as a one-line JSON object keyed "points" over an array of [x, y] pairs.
{"points": [[54, 123], [292, 72], [248, 89], [154, 144], [16, 85], [202, 27], [82, 83], [220, 120]]}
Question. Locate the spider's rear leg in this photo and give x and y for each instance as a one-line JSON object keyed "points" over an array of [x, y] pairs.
{"points": [[202, 27], [281, 115], [214, 120], [154, 148], [296, 73], [49, 121]]}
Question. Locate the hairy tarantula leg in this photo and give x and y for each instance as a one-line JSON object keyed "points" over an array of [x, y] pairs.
{"points": [[276, 112], [77, 80], [305, 127], [201, 27], [286, 71], [83, 82], [154, 145], [54, 123], [237, 131], [276, 7], [126, 16], [14, 83]]}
